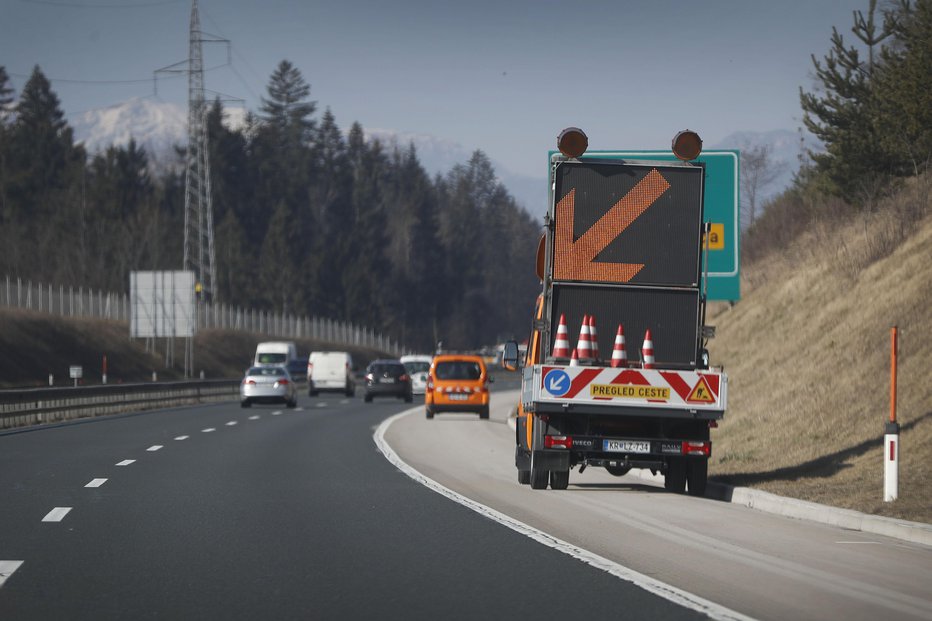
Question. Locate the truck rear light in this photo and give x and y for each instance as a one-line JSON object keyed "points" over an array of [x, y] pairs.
{"points": [[565, 442], [691, 447], [713, 424]]}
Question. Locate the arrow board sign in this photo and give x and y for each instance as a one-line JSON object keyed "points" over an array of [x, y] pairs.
{"points": [[627, 224]]}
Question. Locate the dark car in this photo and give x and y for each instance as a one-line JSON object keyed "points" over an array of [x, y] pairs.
{"points": [[387, 378]]}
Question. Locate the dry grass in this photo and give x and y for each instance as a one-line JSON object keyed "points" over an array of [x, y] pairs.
{"points": [[35, 345], [807, 351]]}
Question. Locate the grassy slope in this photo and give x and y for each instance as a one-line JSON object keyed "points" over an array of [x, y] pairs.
{"points": [[33, 345], [807, 351]]}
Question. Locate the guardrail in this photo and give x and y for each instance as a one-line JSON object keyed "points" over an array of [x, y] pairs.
{"points": [[32, 406]]}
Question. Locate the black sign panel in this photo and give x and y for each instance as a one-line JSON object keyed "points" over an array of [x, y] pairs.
{"points": [[671, 314], [626, 223]]}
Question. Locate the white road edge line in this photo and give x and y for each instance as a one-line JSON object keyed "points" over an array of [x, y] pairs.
{"points": [[96, 482], [57, 514], [651, 585], [7, 568], [126, 462], [154, 448]]}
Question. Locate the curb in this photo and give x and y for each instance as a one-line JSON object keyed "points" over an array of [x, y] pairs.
{"points": [[913, 532]]}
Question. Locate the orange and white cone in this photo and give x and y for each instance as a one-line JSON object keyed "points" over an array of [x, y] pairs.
{"points": [[647, 351], [593, 338], [574, 359], [561, 346], [584, 346], [619, 353]]}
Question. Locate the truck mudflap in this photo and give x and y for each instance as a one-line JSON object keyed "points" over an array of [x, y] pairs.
{"points": [[605, 389]]}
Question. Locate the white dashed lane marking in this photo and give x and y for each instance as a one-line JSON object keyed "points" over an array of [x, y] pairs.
{"points": [[182, 438], [344, 401], [57, 514], [208, 430], [299, 409], [154, 448], [96, 482], [253, 417], [231, 423], [7, 568], [126, 462], [277, 413], [321, 405]]}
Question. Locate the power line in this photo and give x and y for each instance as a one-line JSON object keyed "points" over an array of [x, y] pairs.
{"points": [[100, 5]]}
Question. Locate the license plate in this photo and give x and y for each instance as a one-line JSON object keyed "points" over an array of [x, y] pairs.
{"points": [[458, 397], [387, 380], [625, 446]]}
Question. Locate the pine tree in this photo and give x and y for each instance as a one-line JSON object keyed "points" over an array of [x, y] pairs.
{"points": [[841, 114]]}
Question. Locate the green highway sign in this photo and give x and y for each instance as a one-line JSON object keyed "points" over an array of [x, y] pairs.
{"points": [[721, 209]]}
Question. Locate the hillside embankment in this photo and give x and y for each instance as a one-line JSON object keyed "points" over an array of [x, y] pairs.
{"points": [[807, 351], [35, 345]]}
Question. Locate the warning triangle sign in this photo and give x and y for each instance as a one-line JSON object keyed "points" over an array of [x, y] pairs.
{"points": [[701, 392]]}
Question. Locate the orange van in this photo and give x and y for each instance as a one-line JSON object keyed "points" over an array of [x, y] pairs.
{"points": [[457, 383]]}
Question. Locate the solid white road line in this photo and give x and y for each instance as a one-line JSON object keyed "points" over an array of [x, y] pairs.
{"points": [[651, 585], [154, 448], [126, 462], [231, 423], [182, 438], [57, 514], [254, 417], [96, 482], [7, 568], [208, 430]]}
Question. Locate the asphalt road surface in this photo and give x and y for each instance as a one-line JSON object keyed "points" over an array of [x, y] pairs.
{"points": [[747, 561], [219, 512]]}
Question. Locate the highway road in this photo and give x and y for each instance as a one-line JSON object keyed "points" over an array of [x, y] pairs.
{"points": [[217, 512]]}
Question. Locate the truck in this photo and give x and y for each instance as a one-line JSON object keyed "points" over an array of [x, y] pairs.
{"points": [[622, 250]]}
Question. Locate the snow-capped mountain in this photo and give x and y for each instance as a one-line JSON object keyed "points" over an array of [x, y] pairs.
{"points": [[157, 126]]}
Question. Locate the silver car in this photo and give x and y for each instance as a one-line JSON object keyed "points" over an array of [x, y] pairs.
{"points": [[267, 385], [418, 368]]}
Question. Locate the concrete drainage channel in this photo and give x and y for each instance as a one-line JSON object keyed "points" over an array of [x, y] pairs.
{"points": [[914, 532], [34, 406]]}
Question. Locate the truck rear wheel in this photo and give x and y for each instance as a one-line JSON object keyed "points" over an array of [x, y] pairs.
{"points": [[675, 479], [559, 479], [524, 477], [539, 476], [697, 476]]}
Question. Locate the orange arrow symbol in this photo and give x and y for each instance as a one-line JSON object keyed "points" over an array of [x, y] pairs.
{"points": [[573, 260]]}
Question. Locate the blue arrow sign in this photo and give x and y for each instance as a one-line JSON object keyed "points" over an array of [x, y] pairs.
{"points": [[557, 382]]}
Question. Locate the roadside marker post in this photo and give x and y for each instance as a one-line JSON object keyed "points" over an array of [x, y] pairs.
{"points": [[891, 453]]}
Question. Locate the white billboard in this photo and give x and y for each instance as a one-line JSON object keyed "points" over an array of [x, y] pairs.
{"points": [[162, 304]]}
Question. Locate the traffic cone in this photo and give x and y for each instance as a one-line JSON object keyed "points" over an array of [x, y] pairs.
{"points": [[594, 338], [619, 354], [647, 351], [561, 346], [584, 346], [574, 359]]}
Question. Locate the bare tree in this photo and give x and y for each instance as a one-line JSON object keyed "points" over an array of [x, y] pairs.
{"points": [[758, 170]]}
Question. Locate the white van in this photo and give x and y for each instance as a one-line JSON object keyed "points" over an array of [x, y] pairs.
{"points": [[279, 353], [330, 370], [418, 368]]}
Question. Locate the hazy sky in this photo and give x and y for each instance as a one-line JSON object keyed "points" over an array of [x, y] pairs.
{"points": [[504, 76]]}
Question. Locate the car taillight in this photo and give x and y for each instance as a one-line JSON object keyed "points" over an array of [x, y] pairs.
{"points": [[430, 382], [697, 447], [404, 377], [564, 442], [249, 382], [282, 382], [370, 377], [310, 367]]}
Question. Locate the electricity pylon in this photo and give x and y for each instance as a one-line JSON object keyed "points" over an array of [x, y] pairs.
{"points": [[199, 254]]}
